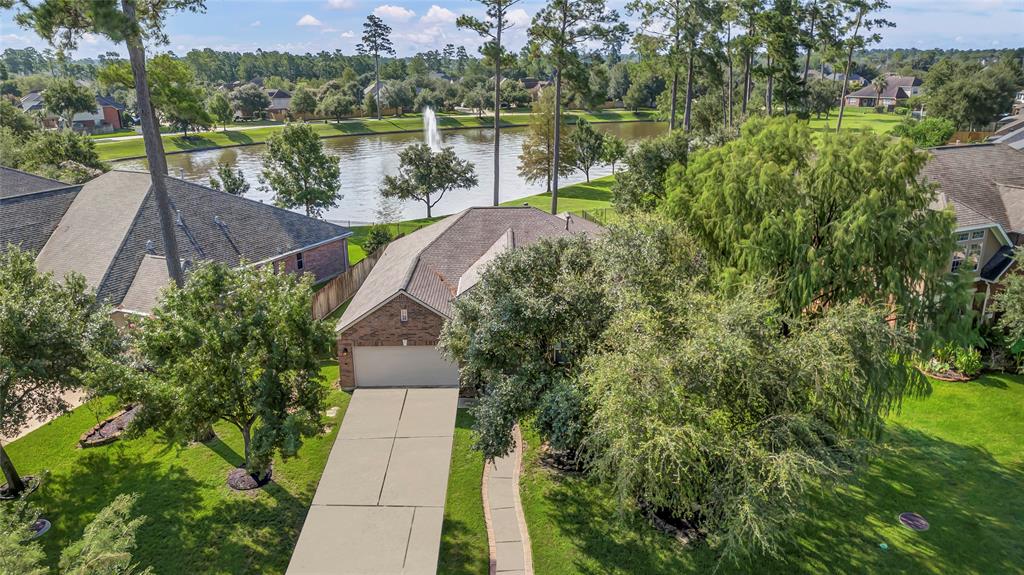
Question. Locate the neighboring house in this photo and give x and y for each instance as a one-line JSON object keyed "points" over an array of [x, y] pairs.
{"points": [[1018, 104], [105, 118], [387, 335], [108, 230], [280, 103], [897, 90], [984, 186], [1010, 132]]}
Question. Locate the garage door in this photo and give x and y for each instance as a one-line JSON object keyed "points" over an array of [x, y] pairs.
{"points": [[403, 366]]}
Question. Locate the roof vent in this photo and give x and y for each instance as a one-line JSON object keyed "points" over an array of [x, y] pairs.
{"points": [[150, 247], [181, 173], [218, 221], [568, 220], [177, 218]]}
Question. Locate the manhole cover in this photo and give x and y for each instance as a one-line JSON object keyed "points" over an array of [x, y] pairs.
{"points": [[914, 521]]}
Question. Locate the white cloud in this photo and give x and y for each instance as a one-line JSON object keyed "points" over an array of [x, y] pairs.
{"points": [[341, 4], [308, 20], [958, 39], [519, 17], [348, 34], [89, 38], [256, 24], [438, 15], [398, 13]]}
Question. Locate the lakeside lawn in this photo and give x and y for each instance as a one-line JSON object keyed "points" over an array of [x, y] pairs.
{"points": [[858, 118], [195, 523], [118, 150], [955, 456]]}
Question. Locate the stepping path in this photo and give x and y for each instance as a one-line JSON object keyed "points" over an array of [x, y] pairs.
{"points": [[380, 502], [503, 512]]}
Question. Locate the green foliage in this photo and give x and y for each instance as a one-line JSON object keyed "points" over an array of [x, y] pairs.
{"points": [[249, 100], [64, 156], [17, 553], [971, 95], [303, 101], [65, 98], [230, 180], [237, 345], [641, 186], [107, 545], [588, 146], [173, 88], [771, 204], [522, 331], [378, 237], [1009, 303], [952, 356], [968, 361], [299, 172], [425, 175], [49, 329], [613, 150], [536, 159], [926, 133], [219, 108], [13, 119], [336, 105]]}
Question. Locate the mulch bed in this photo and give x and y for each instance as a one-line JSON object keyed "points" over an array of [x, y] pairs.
{"points": [[561, 461], [951, 375], [240, 479], [108, 430]]}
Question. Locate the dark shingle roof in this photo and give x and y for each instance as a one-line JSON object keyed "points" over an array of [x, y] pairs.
{"points": [[28, 220], [982, 182], [16, 183], [429, 263], [108, 101], [893, 88], [278, 93]]}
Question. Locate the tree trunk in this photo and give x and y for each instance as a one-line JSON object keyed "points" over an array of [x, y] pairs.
{"points": [[376, 81], [689, 90], [497, 102], [728, 55], [672, 104], [428, 205], [558, 143], [15, 485], [746, 83], [810, 41], [154, 147], [768, 88], [846, 75], [246, 442]]}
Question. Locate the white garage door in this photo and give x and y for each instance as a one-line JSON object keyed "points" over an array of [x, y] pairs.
{"points": [[403, 366]]}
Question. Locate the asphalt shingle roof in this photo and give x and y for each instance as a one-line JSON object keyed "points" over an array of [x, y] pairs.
{"points": [[984, 183], [17, 183], [429, 263], [28, 220], [893, 88]]}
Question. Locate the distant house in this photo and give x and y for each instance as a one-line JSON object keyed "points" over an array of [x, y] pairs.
{"points": [[105, 118], [1010, 132], [1018, 104], [387, 335], [280, 104], [984, 186], [108, 230], [897, 90]]}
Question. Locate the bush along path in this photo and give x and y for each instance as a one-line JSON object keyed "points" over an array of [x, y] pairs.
{"points": [[503, 511]]}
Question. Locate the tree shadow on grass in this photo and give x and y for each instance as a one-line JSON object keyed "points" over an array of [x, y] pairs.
{"points": [[456, 558], [237, 137], [229, 455]]}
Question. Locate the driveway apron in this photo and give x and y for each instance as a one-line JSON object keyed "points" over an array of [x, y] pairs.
{"points": [[380, 503]]}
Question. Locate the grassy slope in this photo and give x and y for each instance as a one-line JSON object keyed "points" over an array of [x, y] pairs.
{"points": [[195, 524], [134, 148], [859, 118], [956, 457], [464, 549]]}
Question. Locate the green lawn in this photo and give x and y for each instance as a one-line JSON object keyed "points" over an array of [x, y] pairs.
{"points": [[858, 118], [195, 524], [956, 457], [464, 548], [117, 150]]}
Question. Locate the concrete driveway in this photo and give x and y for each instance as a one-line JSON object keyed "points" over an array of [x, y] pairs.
{"points": [[380, 502]]}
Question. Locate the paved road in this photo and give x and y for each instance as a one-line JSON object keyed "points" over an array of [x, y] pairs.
{"points": [[380, 502]]}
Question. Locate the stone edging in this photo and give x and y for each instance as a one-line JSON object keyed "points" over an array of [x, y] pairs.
{"points": [[492, 547]]}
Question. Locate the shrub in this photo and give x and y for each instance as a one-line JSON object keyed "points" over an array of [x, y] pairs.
{"points": [[378, 237], [968, 361], [880, 109], [902, 110]]}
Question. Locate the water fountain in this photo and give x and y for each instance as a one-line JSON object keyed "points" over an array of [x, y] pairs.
{"points": [[430, 132]]}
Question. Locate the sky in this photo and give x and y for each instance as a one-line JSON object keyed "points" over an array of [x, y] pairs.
{"points": [[312, 25]]}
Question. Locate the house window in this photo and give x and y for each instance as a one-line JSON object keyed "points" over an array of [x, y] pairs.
{"points": [[298, 261], [404, 315], [962, 236], [980, 234]]}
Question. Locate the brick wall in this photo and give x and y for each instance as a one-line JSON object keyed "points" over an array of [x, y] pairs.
{"points": [[324, 261], [384, 327]]}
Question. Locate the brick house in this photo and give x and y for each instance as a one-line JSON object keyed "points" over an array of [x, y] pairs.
{"points": [[108, 230], [897, 90], [388, 333], [105, 118], [984, 186]]}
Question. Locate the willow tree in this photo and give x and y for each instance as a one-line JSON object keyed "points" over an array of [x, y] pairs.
{"points": [[836, 217], [64, 22], [560, 27], [491, 28]]}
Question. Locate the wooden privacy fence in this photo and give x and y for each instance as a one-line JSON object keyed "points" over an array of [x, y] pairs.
{"points": [[340, 289]]}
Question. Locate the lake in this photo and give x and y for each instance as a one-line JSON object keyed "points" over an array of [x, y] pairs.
{"points": [[365, 160]]}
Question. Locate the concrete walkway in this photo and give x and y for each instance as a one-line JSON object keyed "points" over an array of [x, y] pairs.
{"points": [[380, 502], [503, 512]]}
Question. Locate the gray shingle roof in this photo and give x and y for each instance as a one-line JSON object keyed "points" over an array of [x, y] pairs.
{"points": [[984, 183], [16, 183], [893, 88], [103, 229], [429, 263]]}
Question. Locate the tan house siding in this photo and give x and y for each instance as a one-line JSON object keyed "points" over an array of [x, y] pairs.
{"points": [[383, 326], [324, 261]]}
